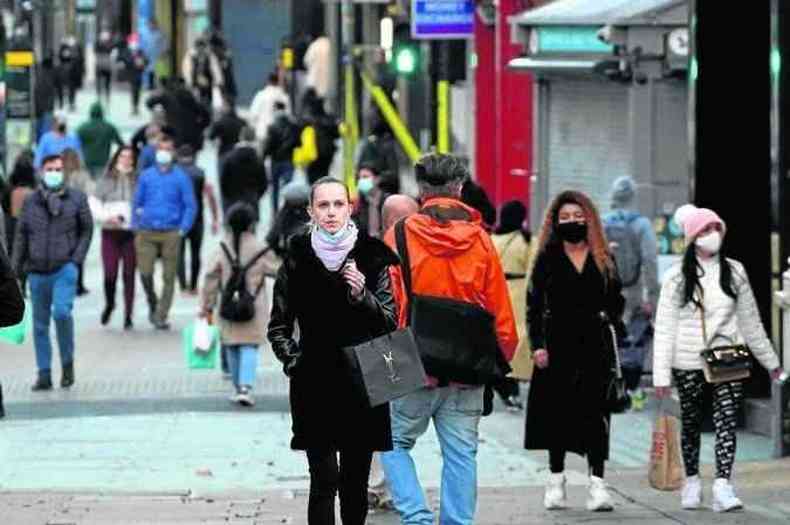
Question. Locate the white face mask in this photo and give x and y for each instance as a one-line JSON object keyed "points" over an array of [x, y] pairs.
{"points": [[711, 243], [164, 157]]}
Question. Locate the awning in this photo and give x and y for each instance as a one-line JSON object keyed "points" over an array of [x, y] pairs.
{"points": [[602, 12]]}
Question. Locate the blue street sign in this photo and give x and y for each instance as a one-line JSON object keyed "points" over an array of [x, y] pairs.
{"points": [[442, 19]]}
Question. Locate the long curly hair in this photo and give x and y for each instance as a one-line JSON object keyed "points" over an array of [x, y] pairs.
{"points": [[596, 238]]}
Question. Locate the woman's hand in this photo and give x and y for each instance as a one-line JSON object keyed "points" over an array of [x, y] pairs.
{"points": [[663, 392], [776, 373], [541, 358], [355, 279]]}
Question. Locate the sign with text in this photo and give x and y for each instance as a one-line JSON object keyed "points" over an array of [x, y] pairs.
{"points": [[442, 19]]}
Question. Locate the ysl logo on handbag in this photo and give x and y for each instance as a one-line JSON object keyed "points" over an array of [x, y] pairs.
{"points": [[389, 361]]}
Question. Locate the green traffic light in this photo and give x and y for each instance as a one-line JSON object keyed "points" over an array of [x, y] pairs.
{"points": [[406, 60]]}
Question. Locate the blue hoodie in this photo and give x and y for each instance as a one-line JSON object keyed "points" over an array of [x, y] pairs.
{"points": [[164, 201]]}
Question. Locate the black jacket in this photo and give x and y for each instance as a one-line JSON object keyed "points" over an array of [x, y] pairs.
{"points": [[184, 114], [326, 411], [12, 305], [281, 139], [563, 314], [45, 92], [227, 129], [44, 243], [242, 176]]}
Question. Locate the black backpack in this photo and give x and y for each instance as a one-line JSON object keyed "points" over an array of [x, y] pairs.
{"points": [[237, 304]]}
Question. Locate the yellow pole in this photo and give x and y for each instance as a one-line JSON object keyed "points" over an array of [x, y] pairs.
{"points": [[392, 117], [351, 129], [443, 116]]}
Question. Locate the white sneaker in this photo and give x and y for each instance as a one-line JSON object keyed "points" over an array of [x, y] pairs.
{"points": [[555, 497], [599, 499], [724, 499], [245, 398], [691, 496]]}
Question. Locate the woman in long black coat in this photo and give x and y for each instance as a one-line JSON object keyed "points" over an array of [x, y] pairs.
{"points": [[573, 281], [334, 282]]}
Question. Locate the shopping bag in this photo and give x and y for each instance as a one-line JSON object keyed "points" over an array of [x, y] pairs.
{"points": [[203, 337], [387, 367], [307, 151], [198, 360], [666, 466], [16, 334]]}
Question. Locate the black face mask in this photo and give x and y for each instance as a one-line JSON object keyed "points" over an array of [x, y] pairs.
{"points": [[572, 232]]}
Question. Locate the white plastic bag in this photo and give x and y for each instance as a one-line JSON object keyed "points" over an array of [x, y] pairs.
{"points": [[203, 339]]}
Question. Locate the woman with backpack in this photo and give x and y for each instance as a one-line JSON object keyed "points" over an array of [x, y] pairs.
{"points": [[706, 301], [335, 285], [574, 293], [236, 276]]}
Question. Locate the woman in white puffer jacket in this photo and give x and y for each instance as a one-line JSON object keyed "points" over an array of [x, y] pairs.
{"points": [[706, 283]]}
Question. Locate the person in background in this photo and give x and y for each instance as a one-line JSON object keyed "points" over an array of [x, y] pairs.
{"points": [[281, 140], [203, 191], [22, 183], [55, 141], [326, 133], [97, 137], [397, 207], [262, 109], [103, 53], [511, 240], [113, 209], [71, 69], [50, 260], [706, 300], [134, 64], [573, 284], [12, 304], [633, 242], [202, 71], [78, 179], [44, 97], [472, 194], [240, 340], [291, 218], [163, 211], [242, 176], [370, 200], [147, 157], [158, 120], [226, 130]]}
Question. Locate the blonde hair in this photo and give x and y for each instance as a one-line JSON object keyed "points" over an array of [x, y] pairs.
{"points": [[596, 238]]}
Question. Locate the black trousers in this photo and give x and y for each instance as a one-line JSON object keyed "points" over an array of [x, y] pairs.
{"points": [[136, 85], [349, 478], [103, 83], [195, 240]]}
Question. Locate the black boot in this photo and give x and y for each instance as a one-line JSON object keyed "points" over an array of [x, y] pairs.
{"points": [[43, 382], [128, 324], [67, 379], [109, 302], [150, 294]]}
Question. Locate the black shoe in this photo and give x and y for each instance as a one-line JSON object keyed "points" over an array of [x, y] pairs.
{"points": [[106, 314], [82, 291], [127, 324], [161, 324], [513, 404], [67, 379], [44, 382]]}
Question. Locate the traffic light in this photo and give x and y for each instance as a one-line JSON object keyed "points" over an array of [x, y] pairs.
{"points": [[406, 57]]}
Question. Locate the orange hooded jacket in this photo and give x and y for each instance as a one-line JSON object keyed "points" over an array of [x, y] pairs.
{"points": [[452, 256]]}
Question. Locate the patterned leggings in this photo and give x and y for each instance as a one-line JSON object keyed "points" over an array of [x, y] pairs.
{"points": [[726, 397]]}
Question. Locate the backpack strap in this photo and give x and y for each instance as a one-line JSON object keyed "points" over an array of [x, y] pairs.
{"points": [[403, 253], [250, 264], [234, 261]]}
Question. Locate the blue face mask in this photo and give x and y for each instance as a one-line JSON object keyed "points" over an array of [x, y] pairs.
{"points": [[53, 179], [365, 185], [333, 238]]}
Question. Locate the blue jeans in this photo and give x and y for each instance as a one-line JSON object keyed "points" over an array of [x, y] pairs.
{"points": [[243, 362], [53, 296], [282, 173], [456, 415]]}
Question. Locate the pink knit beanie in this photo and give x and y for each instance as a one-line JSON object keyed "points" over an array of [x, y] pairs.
{"points": [[693, 220]]}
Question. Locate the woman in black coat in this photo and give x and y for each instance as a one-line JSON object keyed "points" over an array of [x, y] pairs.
{"points": [[12, 305], [334, 282], [573, 282]]}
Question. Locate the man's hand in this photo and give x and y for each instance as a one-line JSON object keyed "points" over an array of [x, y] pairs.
{"points": [[776, 373], [541, 358]]}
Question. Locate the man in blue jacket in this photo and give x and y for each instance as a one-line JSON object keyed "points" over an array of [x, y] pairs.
{"points": [[164, 211]]}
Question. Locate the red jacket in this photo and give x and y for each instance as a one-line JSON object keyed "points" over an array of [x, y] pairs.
{"points": [[452, 256]]}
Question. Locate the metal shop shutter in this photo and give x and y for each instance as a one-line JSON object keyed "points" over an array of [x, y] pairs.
{"points": [[588, 145]]}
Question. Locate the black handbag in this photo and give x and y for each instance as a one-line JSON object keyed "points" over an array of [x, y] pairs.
{"points": [[456, 340], [386, 367], [616, 398], [721, 364]]}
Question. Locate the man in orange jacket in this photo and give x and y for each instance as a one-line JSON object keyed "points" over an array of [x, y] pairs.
{"points": [[451, 256]]}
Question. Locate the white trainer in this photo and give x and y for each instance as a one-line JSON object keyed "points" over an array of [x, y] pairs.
{"points": [[724, 499], [691, 496], [555, 497], [599, 499]]}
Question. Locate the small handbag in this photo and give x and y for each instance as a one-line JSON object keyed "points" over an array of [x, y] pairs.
{"points": [[386, 367], [722, 364], [616, 398]]}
